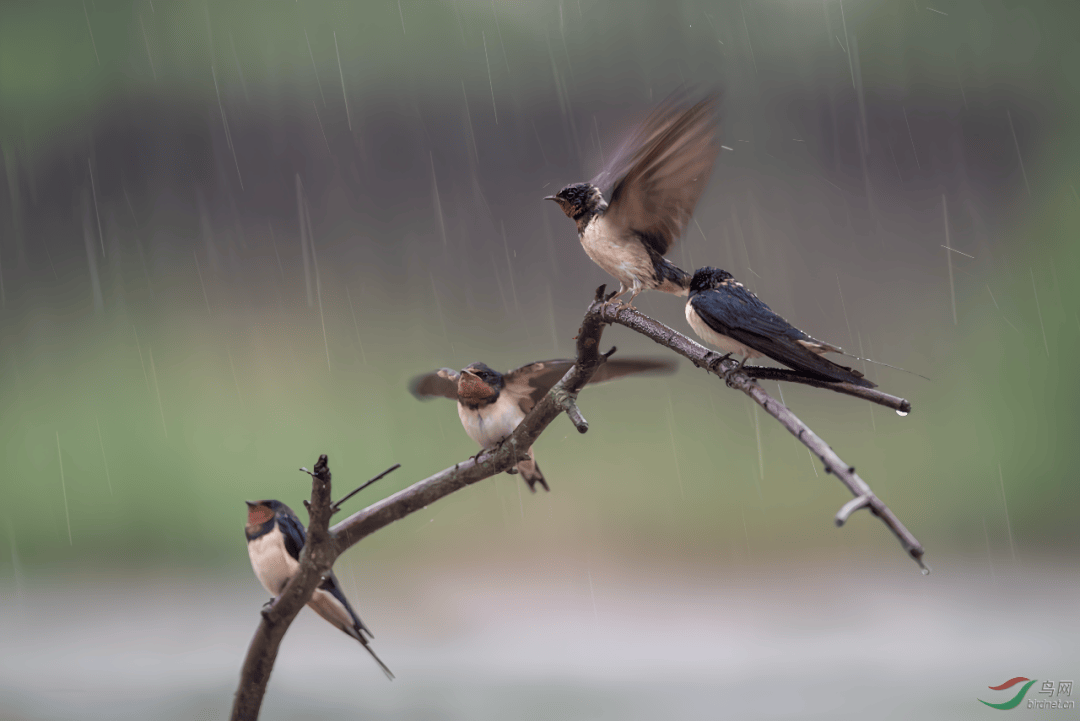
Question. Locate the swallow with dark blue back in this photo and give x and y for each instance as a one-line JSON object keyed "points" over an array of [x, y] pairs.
{"points": [[275, 537], [723, 312]]}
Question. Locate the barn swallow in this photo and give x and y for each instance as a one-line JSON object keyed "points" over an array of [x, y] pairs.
{"points": [[492, 404], [653, 183], [724, 313], [275, 537]]}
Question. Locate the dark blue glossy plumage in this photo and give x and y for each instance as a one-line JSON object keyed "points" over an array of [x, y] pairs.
{"points": [[731, 310], [295, 536]]}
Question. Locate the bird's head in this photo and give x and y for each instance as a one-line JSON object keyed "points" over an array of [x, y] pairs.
{"points": [[259, 512], [577, 199], [478, 383], [708, 278]]}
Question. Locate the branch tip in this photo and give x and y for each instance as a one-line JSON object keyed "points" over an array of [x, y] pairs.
{"points": [[574, 414], [850, 507]]}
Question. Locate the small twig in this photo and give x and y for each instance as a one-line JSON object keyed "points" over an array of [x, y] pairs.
{"points": [[568, 403], [337, 506], [850, 507]]}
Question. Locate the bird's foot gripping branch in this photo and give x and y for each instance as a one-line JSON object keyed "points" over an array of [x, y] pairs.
{"points": [[324, 544]]}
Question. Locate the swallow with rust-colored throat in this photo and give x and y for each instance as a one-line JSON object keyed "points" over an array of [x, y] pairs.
{"points": [[275, 537], [492, 404]]}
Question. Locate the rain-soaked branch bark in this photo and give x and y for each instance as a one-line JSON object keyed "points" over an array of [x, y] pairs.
{"points": [[744, 380], [316, 560]]}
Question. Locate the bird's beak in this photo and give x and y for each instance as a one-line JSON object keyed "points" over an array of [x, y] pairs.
{"points": [[251, 504], [551, 197]]}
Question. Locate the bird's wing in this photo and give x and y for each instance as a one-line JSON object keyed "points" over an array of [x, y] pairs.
{"points": [[293, 530], [620, 367], [332, 586], [442, 382], [739, 314], [655, 178], [530, 383]]}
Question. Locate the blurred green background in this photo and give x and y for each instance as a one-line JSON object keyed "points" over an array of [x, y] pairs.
{"points": [[166, 350]]}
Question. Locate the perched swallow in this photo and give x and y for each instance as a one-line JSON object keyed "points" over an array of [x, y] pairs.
{"points": [[492, 404], [723, 312], [275, 537], [652, 184]]}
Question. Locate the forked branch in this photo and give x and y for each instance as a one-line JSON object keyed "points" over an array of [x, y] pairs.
{"points": [[325, 545]]}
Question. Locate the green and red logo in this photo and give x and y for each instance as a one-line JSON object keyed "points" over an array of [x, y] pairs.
{"points": [[1015, 700], [1063, 687]]}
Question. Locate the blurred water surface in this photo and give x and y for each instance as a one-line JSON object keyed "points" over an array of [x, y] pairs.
{"points": [[553, 640]]}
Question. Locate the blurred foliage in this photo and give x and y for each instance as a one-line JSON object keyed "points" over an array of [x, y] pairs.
{"points": [[239, 394]]}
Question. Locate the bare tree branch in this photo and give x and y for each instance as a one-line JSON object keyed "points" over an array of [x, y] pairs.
{"points": [[744, 380], [316, 560], [325, 545]]}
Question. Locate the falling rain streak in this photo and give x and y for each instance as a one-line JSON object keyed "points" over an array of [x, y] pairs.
{"points": [[1019, 157], [356, 326], [438, 201], [674, 448], [91, 29], [318, 287], [225, 124], [491, 84], [760, 454], [321, 130], [236, 382], [63, 487], [104, 459], [146, 41], [157, 389], [344, 95], [1005, 505], [315, 67], [1039, 309], [303, 239], [843, 306], [97, 214], [911, 138], [948, 256], [202, 285]]}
